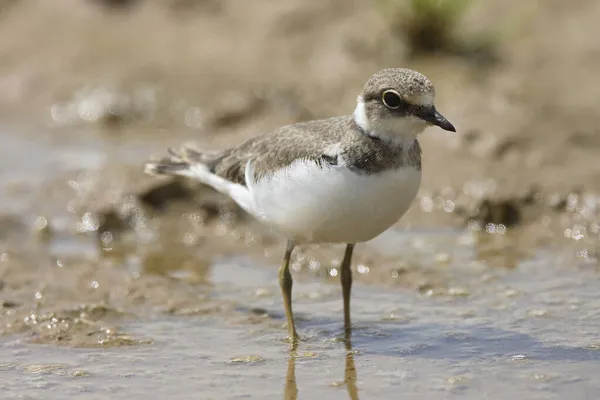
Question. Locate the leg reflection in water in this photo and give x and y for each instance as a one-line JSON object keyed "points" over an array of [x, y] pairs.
{"points": [[350, 371], [291, 389]]}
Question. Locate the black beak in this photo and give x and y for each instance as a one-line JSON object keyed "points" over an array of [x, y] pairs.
{"points": [[431, 115], [442, 122]]}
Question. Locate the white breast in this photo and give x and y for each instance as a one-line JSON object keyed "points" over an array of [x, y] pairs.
{"points": [[314, 204]]}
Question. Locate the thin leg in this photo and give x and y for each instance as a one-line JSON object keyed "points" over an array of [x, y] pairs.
{"points": [[285, 281], [346, 279]]}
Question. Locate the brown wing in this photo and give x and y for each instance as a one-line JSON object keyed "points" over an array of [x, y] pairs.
{"points": [[278, 149], [268, 153]]}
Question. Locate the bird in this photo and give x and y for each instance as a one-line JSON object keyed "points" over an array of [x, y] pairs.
{"points": [[339, 180]]}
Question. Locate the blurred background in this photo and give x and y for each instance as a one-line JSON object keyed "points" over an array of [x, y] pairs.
{"points": [[495, 261]]}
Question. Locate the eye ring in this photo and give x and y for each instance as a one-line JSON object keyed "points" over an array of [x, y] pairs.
{"points": [[391, 99]]}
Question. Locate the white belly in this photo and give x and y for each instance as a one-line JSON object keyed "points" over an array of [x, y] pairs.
{"points": [[313, 204]]}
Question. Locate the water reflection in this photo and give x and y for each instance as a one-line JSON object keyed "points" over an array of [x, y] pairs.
{"points": [[291, 388], [350, 370]]}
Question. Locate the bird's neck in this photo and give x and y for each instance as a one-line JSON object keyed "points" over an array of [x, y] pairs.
{"points": [[401, 132]]}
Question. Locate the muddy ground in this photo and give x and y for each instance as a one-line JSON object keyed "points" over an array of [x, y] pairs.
{"points": [[90, 89]]}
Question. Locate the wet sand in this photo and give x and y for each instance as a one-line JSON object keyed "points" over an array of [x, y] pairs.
{"points": [[117, 285]]}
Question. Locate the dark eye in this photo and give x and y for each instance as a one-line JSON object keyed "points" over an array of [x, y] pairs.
{"points": [[391, 99]]}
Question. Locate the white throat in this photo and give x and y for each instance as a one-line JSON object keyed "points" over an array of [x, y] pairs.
{"points": [[360, 115], [399, 130]]}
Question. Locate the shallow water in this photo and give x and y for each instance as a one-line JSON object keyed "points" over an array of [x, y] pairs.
{"points": [[531, 332], [458, 328]]}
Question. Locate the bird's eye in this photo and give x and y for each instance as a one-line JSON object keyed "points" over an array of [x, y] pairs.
{"points": [[391, 99]]}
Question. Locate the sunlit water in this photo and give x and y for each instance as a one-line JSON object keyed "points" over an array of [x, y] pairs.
{"points": [[542, 344], [529, 332]]}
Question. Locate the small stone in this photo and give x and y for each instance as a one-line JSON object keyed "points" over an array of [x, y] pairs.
{"points": [[538, 313], [9, 304], [263, 292], [456, 380], [442, 258], [458, 292], [246, 360], [43, 368]]}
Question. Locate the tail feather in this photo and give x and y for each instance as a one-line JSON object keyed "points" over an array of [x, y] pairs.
{"points": [[179, 162], [186, 161], [193, 155], [165, 166]]}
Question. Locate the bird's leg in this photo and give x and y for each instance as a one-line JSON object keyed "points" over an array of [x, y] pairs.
{"points": [[285, 281], [346, 279]]}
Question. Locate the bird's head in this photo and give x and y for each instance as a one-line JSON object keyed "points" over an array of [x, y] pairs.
{"points": [[398, 104]]}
